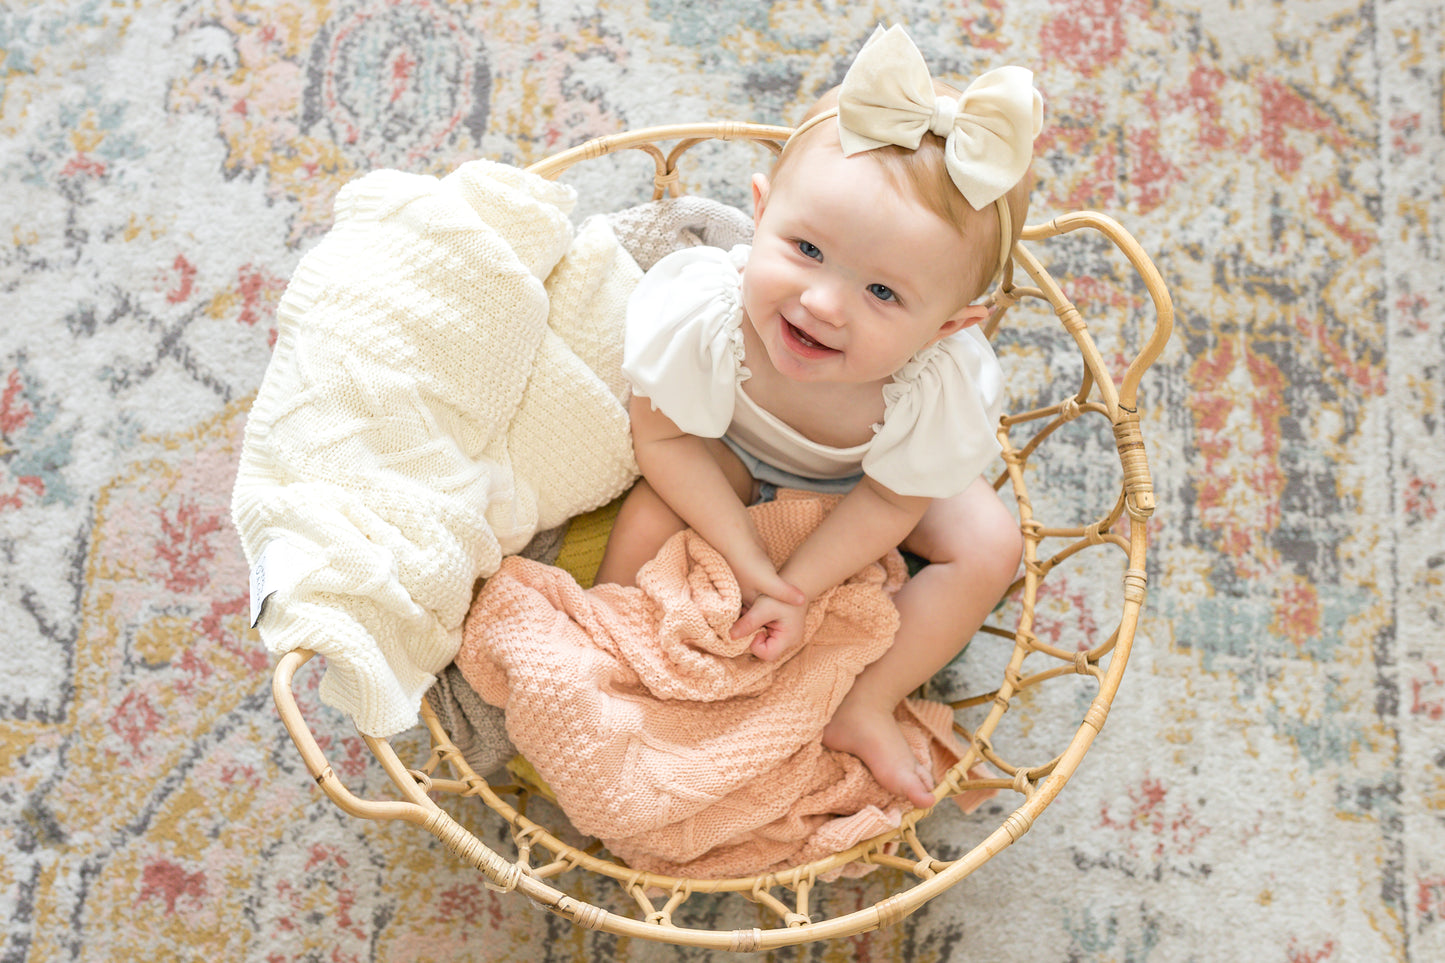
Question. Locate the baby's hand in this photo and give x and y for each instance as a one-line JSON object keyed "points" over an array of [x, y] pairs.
{"points": [[777, 625], [764, 580]]}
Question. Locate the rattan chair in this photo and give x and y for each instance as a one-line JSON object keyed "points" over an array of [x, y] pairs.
{"points": [[543, 864]]}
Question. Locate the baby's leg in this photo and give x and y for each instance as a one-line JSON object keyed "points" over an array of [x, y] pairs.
{"points": [[973, 546], [645, 521]]}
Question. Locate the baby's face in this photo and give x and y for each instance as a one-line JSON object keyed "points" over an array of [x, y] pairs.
{"points": [[849, 277]]}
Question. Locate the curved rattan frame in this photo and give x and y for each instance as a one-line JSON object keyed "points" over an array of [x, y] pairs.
{"points": [[1099, 392]]}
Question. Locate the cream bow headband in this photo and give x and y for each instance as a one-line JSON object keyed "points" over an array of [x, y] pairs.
{"points": [[887, 98]]}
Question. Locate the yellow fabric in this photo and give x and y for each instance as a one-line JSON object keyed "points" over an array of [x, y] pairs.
{"points": [[585, 541], [524, 772]]}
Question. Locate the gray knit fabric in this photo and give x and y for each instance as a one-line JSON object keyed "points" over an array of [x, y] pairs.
{"points": [[650, 231]]}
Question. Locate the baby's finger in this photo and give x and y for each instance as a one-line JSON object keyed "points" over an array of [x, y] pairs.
{"points": [[752, 620], [765, 647]]}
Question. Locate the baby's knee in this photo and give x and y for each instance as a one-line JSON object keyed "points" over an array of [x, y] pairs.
{"points": [[998, 547], [983, 537], [1003, 538]]}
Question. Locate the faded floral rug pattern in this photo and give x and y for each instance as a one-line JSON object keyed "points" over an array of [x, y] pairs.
{"points": [[1270, 784]]}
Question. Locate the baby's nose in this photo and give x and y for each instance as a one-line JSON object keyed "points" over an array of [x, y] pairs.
{"points": [[823, 302]]}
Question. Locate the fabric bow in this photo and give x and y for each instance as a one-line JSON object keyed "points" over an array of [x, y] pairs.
{"points": [[887, 98]]}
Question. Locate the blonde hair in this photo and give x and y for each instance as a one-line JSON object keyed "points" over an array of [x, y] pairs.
{"points": [[923, 175]]}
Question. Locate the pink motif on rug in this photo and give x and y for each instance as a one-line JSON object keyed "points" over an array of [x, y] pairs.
{"points": [[667, 739]]}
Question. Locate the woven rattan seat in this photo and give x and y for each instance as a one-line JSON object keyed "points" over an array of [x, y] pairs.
{"points": [[1075, 386]]}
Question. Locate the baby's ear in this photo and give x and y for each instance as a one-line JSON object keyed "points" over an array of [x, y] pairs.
{"points": [[967, 318], [761, 187]]}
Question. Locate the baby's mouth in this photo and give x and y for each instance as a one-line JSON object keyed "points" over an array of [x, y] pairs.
{"points": [[803, 338]]}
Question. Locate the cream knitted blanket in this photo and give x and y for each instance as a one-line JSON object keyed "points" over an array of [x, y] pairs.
{"points": [[446, 381], [665, 738]]}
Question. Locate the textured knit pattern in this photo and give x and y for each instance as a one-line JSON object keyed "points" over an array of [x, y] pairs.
{"points": [[478, 729], [663, 736], [652, 231], [432, 402]]}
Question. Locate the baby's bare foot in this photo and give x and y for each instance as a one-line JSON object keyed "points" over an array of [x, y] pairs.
{"points": [[874, 736]]}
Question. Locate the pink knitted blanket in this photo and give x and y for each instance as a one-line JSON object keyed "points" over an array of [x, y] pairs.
{"points": [[665, 738]]}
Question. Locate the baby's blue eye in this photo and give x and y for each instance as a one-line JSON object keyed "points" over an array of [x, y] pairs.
{"points": [[810, 250], [882, 292]]}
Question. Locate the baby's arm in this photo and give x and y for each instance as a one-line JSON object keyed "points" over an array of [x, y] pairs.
{"points": [[870, 521], [683, 472]]}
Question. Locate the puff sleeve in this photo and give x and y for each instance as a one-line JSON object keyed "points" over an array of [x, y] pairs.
{"points": [[940, 416], [683, 347]]}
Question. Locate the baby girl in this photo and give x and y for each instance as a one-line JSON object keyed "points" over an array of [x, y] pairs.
{"points": [[841, 353]]}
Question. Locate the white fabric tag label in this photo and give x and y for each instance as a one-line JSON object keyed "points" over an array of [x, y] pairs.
{"points": [[281, 565]]}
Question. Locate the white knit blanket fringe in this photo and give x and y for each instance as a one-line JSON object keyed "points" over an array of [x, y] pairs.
{"points": [[446, 382]]}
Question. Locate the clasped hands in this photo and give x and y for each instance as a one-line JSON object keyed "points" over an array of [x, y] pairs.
{"points": [[775, 618]]}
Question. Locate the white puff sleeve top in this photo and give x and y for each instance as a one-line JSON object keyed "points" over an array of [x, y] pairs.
{"points": [[684, 350]]}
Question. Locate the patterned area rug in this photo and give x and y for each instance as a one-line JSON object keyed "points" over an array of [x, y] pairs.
{"points": [[1270, 784]]}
